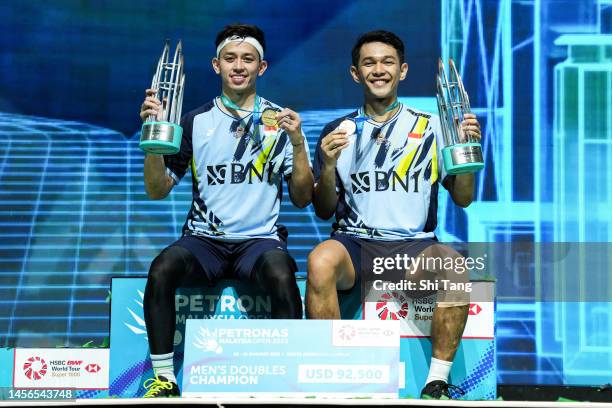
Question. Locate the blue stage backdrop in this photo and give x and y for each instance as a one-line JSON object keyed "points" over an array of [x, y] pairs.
{"points": [[73, 211]]}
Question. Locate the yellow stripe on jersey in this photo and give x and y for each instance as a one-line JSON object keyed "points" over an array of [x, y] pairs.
{"points": [[194, 171], [267, 145], [406, 161], [419, 128], [434, 162], [421, 125]]}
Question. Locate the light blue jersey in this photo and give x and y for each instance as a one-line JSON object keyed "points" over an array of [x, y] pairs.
{"points": [[387, 178], [237, 171]]}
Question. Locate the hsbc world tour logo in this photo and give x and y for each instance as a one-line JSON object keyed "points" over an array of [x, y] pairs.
{"points": [[35, 368], [392, 306], [474, 309], [92, 368]]}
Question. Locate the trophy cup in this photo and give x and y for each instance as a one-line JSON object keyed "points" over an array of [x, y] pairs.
{"points": [[462, 154], [162, 134]]}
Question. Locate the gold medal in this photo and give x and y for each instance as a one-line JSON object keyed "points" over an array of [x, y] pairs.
{"points": [[268, 117]]}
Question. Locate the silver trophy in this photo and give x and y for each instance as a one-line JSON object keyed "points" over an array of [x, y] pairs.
{"points": [[462, 153], [162, 134]]}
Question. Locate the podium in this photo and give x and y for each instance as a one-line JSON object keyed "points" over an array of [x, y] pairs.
{"points": [[473, 369]]}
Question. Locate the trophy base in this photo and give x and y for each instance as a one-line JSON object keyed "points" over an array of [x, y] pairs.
{"points": [[463, 158], [160, 137]]}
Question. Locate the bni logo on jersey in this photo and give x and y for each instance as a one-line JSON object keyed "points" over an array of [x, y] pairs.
{"points": [[254, 171], [35, 368]]}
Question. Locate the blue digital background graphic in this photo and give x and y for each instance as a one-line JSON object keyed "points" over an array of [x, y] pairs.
{"points": [[73, 211]]}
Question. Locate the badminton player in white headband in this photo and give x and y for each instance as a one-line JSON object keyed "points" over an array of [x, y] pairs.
{"points": [[239, 147]]}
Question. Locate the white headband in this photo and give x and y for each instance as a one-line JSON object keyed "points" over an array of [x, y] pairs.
{"points": [[236, 38]]}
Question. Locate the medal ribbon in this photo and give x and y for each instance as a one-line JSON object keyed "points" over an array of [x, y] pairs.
{"points": [[362, 117], [228, 103]]}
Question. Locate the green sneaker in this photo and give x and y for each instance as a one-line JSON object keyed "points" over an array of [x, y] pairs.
{"points": [[160, 387], [440, 390]]}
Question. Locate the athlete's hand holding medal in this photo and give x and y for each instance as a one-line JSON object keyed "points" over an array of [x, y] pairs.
{"points": [[336, 141], [290, 122], [285, 119], [345, 134]]}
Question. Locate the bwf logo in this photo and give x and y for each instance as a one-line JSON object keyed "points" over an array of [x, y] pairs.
{"points": [[35, 368], [347, 332], [392, 306]]}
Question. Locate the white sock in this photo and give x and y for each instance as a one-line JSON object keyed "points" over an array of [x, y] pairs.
{"points": [[438, 370], [163, 364]]}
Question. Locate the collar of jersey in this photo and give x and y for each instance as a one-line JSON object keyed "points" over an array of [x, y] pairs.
{"points": [[227, 114], [361, 111]]}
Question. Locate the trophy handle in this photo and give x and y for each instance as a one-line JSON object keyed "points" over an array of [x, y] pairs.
{"points": [[461, 155], [162, 134], [447, 113], [461, 96], [176, 77], [157, 79], [444, 114]]}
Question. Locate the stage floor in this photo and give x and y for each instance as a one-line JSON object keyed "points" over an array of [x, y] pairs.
{"points": [[294, 402]]}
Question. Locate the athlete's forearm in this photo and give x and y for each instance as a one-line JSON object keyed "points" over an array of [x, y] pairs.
{"points": [[462, 190], [157, 183], [302, 181], [325, 197]]}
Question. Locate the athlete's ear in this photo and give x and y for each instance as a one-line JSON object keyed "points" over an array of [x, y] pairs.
{"points": [[216, 64], [403, 71], [263, 65], [355, 74]]}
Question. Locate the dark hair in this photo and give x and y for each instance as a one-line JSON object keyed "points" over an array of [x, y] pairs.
{"points": [[242, 30], [382, 36]]}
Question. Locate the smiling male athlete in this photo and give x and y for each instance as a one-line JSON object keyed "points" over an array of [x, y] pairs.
{"points": [[378, 170], [239, 147]]}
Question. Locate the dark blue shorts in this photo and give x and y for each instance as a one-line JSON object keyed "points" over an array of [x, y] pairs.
{"points": [[362, 250], [230, 260]]}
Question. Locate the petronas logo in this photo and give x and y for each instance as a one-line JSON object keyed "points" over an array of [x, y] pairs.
{"points": [[207, 342]]}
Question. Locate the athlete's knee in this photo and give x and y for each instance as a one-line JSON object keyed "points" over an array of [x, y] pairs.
{"points": [[276, 267], [160, 270], [165, 269], [323, 267], [275, 273]]}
